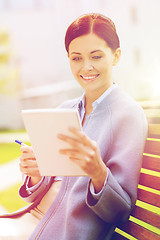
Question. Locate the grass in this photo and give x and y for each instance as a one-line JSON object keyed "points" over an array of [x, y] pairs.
{"points": [[10, 199], [3, 131], [8, 152]]}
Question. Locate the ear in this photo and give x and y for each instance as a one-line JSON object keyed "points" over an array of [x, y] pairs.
{"points": [[117, 55]]}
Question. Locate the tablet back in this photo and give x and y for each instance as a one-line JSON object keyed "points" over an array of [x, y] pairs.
{"points": [[42, 126]]}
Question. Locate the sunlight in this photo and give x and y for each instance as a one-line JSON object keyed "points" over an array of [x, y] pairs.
{"points": [[156, 87], [7, 225]]}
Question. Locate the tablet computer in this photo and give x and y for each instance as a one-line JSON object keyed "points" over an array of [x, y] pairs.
{"points": [[42, 126]]}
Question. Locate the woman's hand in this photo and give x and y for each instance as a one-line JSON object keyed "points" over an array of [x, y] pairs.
{"points": [[86, 154], [28, 165]]}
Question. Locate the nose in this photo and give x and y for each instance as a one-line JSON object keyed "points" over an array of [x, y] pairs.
{"points": [[87, 65]]}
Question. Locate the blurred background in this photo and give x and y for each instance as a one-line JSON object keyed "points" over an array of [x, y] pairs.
{"points": [[34, 68]]}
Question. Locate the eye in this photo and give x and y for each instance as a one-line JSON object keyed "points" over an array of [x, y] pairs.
{"points": [[76, 59], [97, 57]]}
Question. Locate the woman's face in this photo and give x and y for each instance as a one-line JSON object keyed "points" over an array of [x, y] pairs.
{"points": [[91, 62]]}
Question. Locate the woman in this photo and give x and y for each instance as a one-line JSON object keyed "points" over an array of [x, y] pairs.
{"points": [[108, 149]]}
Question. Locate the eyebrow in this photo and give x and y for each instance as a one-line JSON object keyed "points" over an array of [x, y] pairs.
{"points": [[96, 51], [90, 52], [76, 53]]}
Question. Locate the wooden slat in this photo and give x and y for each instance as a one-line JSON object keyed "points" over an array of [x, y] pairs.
{"points": [[149, 181], [139, 232], [154, 130], [150, 104], [151, 163], [148, 197], [117, 236], [146, 216], [152, 113], [152, 147], [153, 120]]}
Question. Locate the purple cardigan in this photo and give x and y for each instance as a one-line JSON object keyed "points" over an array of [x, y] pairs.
{"points": [[119, 127]]}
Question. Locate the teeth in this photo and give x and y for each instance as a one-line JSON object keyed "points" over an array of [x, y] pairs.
{"points": [[89, 77]]}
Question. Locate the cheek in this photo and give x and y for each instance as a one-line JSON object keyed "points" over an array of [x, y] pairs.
{"points": [[105, 66], [71, 67], [101, 67], [74, 68]]}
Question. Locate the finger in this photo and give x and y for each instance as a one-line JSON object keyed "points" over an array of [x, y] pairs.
{"points": [[29, 167], [82, 153], [84, 163], [27, 155], [32, 172], [27, 152], [74, 142], [83, 138], [28, 163], [69, 152], [26, 149], [76, 146], [24, 160], [67, 138]]}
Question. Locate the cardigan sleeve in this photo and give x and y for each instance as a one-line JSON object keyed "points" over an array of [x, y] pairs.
{"points": [[123, 162], [31, 194]]}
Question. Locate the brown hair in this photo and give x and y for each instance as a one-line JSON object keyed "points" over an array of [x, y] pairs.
{"points": [[95, 23]]}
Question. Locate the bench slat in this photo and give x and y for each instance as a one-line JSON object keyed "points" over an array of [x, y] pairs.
{"points": [[152, 147], [152, 113], [117, 236], [150, 104], [149, 181], [153, 120], [138, 232], [146, 216], [154, 130], [151, 163], [148, 197]]}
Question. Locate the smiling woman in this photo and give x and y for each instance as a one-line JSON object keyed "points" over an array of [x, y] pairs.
{"points": [[92, 67], [93, 48], [108, 149]]}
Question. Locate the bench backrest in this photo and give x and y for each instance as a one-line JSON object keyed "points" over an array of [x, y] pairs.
{"points": [[144, 222]]}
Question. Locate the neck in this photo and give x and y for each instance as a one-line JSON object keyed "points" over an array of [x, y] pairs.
{"points": [[88, 105], [92, 96]]}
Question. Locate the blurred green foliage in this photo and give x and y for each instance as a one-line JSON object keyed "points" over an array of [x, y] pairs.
{"points": [[10, 199], [8, 152]]}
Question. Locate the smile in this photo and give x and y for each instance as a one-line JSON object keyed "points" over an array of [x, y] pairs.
{"points": [[90, 77]]}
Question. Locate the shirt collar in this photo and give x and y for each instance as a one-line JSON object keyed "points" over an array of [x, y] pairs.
{"points": [[82, 101], [81, 104]]}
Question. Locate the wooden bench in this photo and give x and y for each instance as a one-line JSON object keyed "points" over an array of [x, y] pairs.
{"points": [[144, 222]]}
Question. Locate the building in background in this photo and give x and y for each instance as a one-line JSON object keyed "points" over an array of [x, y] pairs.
{"points": [[36, 29], [9, 83]]}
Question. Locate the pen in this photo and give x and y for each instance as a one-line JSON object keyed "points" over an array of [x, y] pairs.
{"points": [[20, 143]]}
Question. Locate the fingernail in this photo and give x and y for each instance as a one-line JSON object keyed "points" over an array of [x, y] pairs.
{"points": [[72, 128], [59, 135]]}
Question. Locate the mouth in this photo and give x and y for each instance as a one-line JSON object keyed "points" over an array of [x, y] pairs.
{"points": [[89, 78]]}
